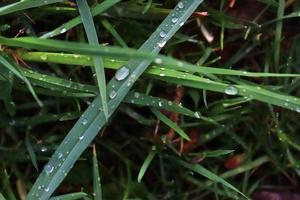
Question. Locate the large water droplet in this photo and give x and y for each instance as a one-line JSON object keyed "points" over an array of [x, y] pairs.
{"points": [[180, 5], [162, 34], [231, 90], [122, 73], [112, 94], [48, 169], [84, 122]]}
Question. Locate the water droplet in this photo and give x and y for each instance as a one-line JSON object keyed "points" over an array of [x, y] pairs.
{"points": [[174, 19], [112, 94], [286, 104], [231, 90], [180, 5], [60, 155], [84, 122], [44, 149], [170, 103], [136, 95], [181, 24], [12, 122], [161, 44], [63, 30], [161, 74], [158, 60], [197, 115], [76, 56], [44, 57], [47, 189], [122, 73], [298, 109], [160, 104], [162, 34], [81, 137], [48, 169]]}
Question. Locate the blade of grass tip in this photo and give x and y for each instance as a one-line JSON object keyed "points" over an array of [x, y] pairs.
{"points": [[170, 123], [146, 163], [208, 174], [31, 152], [278, 33], [91, 33], [92, 120], [96, 177], [99, 8], [19, 74], [23, 5], [72, 196]]}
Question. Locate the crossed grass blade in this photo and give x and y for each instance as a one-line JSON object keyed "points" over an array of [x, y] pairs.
{"points": [[90, 31], [92, 120]]}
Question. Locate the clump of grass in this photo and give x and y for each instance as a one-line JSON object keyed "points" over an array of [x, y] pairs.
{"points": [[238, 107]]}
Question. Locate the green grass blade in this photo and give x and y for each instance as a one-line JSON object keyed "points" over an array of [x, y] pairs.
{"points": [[90, 30], [146, 164], [19, 74], [87, 127], [113, 32], [96, 177], [72, 196], [278, 33], [25, 4], [99, 8], [170, 123], [208, 174], [2, 197], [31, 152]]}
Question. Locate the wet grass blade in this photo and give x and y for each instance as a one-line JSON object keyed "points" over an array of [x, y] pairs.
{"points": [[96, 177], [72, 196], [23, 5], [90, 31], [146, 163], [87, 127], [170, 123], [99, 8]]}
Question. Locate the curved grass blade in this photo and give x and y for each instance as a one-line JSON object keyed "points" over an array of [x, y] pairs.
{"points": [[72, 196], [23, 5], [87, 127], [90, 31], [96, 177], [99, 8], [146, 163], [21, 76], [208, 174]]}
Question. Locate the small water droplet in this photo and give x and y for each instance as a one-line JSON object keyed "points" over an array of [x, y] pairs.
{"points": [[181, 24], [48, 169], [180, 5], [174, 19], [112, 94], [298, 109], [170, 103], [158, 60], [161, 74], [153, 148], [197, 115], [60, 155], [44, 149], [47, 189], [76, 56], [44, 57], [81, 137], [162, 34], [12, 122], [231, 90], [136, 95], [122, 73], [84, 122], [160, 104], [63, 30], [161, 44]]}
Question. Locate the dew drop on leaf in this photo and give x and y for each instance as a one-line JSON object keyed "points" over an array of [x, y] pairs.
{"points": [[112, 94], [84, 122], [231, 90], [48, 169], [122, 73]]}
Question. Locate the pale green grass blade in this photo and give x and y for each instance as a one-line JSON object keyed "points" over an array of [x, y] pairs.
{"points": [[96, 177], [87, 127], [90, 31], [2, 197], [208, 174], [18, 73], [146, 163], [170, 123], [75, 59], [25, 4], [99, 8], [72, 196]]}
